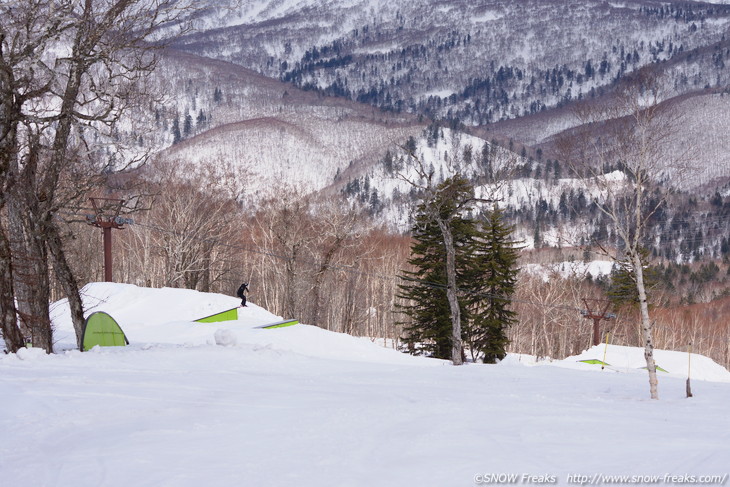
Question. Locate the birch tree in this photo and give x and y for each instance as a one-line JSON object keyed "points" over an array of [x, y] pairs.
{"points": [[633, 132]]}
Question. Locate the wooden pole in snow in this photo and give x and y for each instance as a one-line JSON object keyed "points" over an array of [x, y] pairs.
{"points": [[689, 365]]}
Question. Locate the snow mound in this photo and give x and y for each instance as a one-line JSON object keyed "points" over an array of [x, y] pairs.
{"points": [[152, 316], [631, 359], [225, 338], [30, 354], [164, 315]]}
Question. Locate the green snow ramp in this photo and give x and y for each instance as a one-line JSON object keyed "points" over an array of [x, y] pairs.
{"points": [[101, 329], [227, 315]]}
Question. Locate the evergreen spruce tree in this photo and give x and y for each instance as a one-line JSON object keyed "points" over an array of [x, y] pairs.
{"points": [[188, 125], [622, 284], [492, 279], [486, 272], [176, 135], [430, 329]]}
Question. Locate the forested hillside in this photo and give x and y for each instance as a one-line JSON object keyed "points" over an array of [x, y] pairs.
{"points": [[475, 62]]}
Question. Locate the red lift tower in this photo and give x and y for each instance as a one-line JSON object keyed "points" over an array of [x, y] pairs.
{"points": [[594, 315], [106, 216]]}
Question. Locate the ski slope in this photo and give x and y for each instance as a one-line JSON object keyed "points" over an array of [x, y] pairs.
{"points": [[227, 404]]}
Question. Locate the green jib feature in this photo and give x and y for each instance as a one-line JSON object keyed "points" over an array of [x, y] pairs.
{"points": [[102, 330], [658, 368], [594, 361], [279, 324], [232, 315], [227, 315]]}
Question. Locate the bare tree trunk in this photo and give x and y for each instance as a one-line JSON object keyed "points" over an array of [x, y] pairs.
{"points": [[316, 290], [290, 291], [23, 276], [67, 280], [207, 262], [28, 221], [319, 277], [456, 345], [29, 253], [9, 115], [8, 319], [35, 314], [646, 325]]}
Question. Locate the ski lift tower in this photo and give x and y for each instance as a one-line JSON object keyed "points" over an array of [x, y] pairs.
{"points": [[106, 216], [591, 312]]}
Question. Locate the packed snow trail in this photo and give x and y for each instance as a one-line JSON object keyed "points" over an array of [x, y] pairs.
{"points": [[303, 406]]}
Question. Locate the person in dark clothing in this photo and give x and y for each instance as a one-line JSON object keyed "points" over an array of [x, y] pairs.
{"points": [[241, 291]]}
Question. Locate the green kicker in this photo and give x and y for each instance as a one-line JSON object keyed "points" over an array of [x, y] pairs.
{"points": [[601, 362], [227, 315]]}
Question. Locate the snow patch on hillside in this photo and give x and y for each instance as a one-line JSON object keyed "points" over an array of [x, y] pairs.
{"points": [[567, 270], [488, 16]]}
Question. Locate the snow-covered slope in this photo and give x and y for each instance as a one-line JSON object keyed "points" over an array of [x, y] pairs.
{"points": [[304, 406], [476, 61], [154, 317], [271, 133]]}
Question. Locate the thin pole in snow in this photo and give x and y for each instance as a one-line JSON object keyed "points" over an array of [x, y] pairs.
{"points": [[603, 365], [689, 366]]}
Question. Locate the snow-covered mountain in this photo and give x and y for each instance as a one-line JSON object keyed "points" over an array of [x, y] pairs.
{"points": [[477, 62], [317, 95]]}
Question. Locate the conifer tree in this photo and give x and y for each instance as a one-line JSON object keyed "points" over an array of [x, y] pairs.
{"points": [[486, 273], [176, 135], [430, 329], [622, 286], [493, 278], [188, 125]]}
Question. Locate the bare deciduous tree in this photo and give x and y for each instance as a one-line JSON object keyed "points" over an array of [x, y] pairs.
{"points": [[286, 229], [631, 133], [337, 230], [68, 72], [184, 239]]}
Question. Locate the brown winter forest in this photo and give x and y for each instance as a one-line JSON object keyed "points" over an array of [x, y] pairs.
{"points": [[323, 264]]}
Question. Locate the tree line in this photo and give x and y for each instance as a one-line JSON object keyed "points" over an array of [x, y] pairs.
{"points": [[327, 266]]}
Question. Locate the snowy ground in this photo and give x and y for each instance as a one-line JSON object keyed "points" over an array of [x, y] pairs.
{"points": [[302, 406]]}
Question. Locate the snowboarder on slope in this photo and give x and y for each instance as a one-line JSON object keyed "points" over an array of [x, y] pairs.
{"points": [[240, 293]]}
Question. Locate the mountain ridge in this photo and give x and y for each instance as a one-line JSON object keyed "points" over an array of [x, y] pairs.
{"points": [[319, 139]]}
